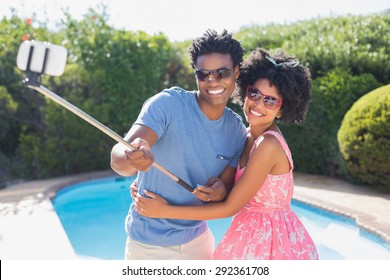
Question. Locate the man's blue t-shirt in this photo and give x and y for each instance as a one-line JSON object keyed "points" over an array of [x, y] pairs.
{"points": [[193, 148]]}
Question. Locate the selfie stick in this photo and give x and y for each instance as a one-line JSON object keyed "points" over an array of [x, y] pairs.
{"points": [[33, 81]]}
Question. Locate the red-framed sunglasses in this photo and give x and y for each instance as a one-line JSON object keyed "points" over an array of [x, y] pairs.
{"points": [[270, 102]]}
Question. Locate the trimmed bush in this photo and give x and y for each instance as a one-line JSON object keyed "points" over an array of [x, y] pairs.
{"points": [[314, 142], [364, 138]]}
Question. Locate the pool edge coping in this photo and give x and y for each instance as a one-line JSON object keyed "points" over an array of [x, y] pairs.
{"points": [[359, 218]]}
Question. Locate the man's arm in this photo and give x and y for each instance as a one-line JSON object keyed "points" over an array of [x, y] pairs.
{"points": [[217, 189], [127, 163]]}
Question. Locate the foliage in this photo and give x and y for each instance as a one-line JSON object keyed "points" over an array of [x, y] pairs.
{"points": [[20, 113], [8, 108], [358, 43], [124, 68], [110, 73], [348, 57], [364, 138], [314, 143]]}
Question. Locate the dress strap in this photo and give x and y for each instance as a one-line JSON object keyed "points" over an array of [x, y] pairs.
{"points": [[282, 142]]}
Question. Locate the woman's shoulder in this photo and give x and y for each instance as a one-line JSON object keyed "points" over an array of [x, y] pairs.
{"points": [[268, 145], [267, 141], [274, 145]]}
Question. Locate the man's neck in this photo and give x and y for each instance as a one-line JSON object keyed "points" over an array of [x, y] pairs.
{"points": [[211, 112]]}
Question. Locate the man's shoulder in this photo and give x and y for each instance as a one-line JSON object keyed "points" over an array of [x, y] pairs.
{"points": [[232, 114], [170, 94], [169, 100], [176, 96], [236, 123], [176, 91]]}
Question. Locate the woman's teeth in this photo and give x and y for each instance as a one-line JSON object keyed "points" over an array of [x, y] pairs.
{"points": [[256, 113]]}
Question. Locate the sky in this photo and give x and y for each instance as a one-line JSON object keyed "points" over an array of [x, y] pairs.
{"points": [[182, 19]]}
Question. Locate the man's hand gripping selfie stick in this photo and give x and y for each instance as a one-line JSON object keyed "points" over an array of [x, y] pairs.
{"points": [[37, 58]]}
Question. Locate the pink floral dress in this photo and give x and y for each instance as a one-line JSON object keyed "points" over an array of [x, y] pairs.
{"points": [[267, 228]]}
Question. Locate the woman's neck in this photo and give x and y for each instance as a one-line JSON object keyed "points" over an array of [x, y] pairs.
{"points": [[257, 130]]}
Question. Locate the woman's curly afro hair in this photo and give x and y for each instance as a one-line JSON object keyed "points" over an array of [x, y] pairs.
{"points": [[292, 81]]}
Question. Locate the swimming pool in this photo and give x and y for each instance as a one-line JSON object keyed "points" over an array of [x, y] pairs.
{"points": [[93, 212]]}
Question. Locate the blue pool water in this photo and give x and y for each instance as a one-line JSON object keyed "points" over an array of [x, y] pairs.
{"points": [[93, 212]]}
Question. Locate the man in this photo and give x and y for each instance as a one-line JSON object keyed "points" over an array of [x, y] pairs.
{"points": [[193, 135]]}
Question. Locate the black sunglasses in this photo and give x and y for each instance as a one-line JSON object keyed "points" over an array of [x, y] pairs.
{"points": [[220, 74], [270, 102]]}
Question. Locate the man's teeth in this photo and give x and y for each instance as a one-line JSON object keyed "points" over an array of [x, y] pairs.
{"points": [[216, 91], [256, 113]]}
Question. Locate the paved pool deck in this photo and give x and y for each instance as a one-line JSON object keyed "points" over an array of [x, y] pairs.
{"points": [[30, 228]]}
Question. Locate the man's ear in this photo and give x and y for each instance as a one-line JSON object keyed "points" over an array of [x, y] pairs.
{"points": [[236, 72]]}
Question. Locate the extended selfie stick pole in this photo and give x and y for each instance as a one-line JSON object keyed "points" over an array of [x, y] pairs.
{"points": [[33, 81]]}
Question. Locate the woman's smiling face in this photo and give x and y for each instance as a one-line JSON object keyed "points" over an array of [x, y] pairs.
{"points": [[255, 111]]}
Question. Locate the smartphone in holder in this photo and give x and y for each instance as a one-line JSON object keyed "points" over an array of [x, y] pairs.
{"points": [[42, 58]]}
